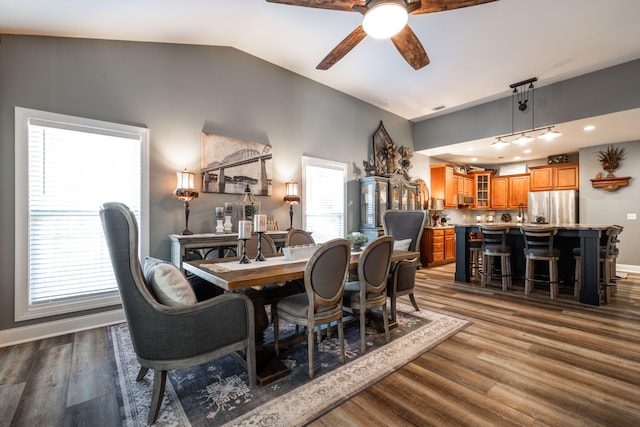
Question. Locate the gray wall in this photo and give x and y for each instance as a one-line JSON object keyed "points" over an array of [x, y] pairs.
{"points": [[598, 206], [177, 91]]}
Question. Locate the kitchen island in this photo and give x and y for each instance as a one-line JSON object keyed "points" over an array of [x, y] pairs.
{"points": [[585, 236]]}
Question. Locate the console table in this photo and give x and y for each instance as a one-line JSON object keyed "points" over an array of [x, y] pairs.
{"points": [[181, 244]]}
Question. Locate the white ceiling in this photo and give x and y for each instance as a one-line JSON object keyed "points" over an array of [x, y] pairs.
{"points": [[475, 52]]}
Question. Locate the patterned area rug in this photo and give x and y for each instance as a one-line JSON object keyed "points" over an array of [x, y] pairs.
{"points": [[217, 393]]}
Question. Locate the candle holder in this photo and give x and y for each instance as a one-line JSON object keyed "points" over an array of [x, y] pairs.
{"points": [[259, 256], [244, 259], [227, 224], [219, 227]]}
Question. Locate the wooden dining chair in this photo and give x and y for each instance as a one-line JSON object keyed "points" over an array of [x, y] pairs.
{"points": [[321, 304], [370, 291]]}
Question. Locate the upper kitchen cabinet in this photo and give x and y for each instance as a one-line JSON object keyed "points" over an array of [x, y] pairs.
{"points": [[562, 176], [500, 192], [518, 190], [482, 187], [444, 184]]}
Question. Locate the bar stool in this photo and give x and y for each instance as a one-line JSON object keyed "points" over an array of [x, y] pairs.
{"points": [[538, 246], [494, 244], [475, 255], [608, 254]]}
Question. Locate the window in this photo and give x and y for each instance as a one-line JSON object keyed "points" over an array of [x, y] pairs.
{"points": [[324, 198], [66, 167]]}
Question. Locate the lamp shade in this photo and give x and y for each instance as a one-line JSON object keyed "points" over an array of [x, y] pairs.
{"points": [[385, 18], [185, 187], [292, 196], [436, 205]]}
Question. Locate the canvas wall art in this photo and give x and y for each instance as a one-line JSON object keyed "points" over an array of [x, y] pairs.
{"points": [[229, 164]]}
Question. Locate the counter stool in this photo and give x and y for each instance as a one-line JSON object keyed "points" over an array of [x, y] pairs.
{"points": [[608, 254], [538, 246], [494, 244], [475, 256]]}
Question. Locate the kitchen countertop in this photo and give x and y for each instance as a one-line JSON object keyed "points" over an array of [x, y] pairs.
{"points": [[573, 226]]}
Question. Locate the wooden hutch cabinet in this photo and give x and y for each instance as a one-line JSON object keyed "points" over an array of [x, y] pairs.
{"points": [[561, 176], [380, 193]]}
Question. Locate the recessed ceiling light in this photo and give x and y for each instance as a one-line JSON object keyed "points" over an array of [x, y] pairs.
{"points": [[516, 158], [474, 159], [469, 148], [589, 128], [527, 151]]}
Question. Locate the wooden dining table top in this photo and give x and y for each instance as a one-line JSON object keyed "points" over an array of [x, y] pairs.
{"points": [[257, 274]]}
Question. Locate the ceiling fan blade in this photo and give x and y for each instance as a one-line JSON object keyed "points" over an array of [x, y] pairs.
{"points": [[430, 6], [343, 5], [342, 48], [410, 48]]}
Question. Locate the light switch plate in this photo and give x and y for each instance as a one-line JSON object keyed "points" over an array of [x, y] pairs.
{"points": [[632, 216]]}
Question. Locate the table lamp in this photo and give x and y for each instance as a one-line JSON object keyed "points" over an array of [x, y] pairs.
{"points": [[185, 191], [292, 197]]}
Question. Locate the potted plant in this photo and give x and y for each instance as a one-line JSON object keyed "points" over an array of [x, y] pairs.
{"points": [[610, 159], [357, 239]]}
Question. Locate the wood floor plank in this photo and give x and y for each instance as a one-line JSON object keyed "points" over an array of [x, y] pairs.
{"points": [[524, 360], [44, 398]]}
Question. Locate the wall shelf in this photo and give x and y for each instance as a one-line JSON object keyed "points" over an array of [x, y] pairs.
{"points": [[610, 184]]}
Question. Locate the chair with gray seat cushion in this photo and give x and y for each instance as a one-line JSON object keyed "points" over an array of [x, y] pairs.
{"points": [[403, 225], [321, 304], [370, 291], [538, 246], [167, 337]]}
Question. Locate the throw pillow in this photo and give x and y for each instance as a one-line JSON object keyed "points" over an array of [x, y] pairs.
{"points": [[167, 283], [401, 245]]}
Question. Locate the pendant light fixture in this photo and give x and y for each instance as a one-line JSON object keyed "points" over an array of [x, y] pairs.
{"points": [[520, 95]]}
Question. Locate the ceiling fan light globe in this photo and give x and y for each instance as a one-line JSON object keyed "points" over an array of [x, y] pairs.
{"points": [[385, 19]]}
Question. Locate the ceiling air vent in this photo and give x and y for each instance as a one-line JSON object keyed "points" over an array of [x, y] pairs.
{"points": [[439, 107]]}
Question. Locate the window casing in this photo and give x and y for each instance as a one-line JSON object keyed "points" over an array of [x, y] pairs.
{"points": [[324, 198], [66, 167]]}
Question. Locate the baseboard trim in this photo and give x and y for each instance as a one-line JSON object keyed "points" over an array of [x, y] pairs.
{"points": [[59, 327], [628, 268]]}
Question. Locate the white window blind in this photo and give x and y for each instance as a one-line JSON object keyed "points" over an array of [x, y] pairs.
{"points": [[72, 168], [324, 199]]}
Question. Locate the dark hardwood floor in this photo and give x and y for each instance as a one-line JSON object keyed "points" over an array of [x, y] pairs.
{"points": [[523, 361]]}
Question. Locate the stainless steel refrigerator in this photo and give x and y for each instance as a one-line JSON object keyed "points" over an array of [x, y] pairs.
{"points": [[553, 207]]}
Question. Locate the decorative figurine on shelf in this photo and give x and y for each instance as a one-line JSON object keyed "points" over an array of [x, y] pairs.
{"points": [[405, 163], [219, 216], [610, 159]]}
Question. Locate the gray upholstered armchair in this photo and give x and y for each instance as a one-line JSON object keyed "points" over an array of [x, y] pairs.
{"points": [[403, 225], [172, 337]]}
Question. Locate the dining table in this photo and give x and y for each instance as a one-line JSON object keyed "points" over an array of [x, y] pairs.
{"points": [[232, 276]]}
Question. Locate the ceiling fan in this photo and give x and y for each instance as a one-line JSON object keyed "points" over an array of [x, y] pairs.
{"points": [[394, 12]]}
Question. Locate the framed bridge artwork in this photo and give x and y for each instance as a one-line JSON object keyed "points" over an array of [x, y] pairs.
{"points": [[229, 164]]}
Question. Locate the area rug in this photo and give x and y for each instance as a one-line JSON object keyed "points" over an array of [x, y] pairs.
{"points": [[217, 393]]}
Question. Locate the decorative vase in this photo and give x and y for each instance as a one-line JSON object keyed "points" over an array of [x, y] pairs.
{"points": [[356, 247], [227, 224]]}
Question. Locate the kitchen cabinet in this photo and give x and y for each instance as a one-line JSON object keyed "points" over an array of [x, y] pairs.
{"points": [[518, 190], [482, 189], [465, 185], [444, 184], [500, 192], [561, 176], [380, 193], [437, 246]]}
